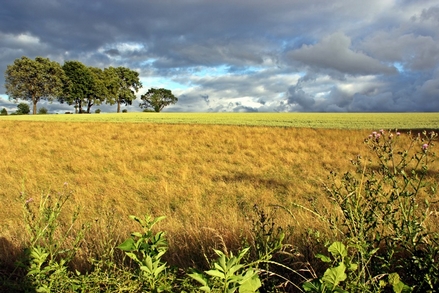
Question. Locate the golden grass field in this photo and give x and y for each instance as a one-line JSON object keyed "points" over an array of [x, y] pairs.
{"points": [[204, 178]]}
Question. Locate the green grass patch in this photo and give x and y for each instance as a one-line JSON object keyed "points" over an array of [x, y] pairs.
{"points": [[303, 120]]}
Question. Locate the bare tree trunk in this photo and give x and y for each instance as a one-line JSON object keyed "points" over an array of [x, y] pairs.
{"points": [[89, 106], [118, 106], [80, 107], [34, 102]]}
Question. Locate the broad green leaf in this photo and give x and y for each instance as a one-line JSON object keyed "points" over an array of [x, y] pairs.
{"points": [[146, 269], [148, 262], [127, 245], [251, 282], [338, 249], [159, 269], [136, 234], [205, 288], [397, 288], [132, 256], [136, 219], [353, 267], [397, 285], [243, 252], [234, 269], [199, 278], [324, 258], [333, 276], [393, 279], [313, 286], [215, 273]]}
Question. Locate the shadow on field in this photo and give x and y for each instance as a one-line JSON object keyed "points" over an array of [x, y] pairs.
{"points": [[270, 183], [13, 268], [430, 173], [416, 132]]}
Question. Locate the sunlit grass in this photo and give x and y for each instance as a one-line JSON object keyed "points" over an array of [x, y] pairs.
{"points": [[204, 178], [308, 120]]}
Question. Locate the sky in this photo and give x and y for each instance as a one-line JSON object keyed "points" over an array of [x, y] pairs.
{"points": [[242, 55]]}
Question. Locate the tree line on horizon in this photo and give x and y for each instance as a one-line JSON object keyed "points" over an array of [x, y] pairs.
{"points": [[79, 85]]}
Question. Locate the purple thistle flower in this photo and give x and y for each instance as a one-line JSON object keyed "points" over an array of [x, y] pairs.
{"points": [[424, 147], [29, 200], [398, 133]]}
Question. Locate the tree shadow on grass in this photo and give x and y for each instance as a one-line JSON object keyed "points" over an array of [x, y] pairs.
{"points": [[13, 268], [269, 183]]}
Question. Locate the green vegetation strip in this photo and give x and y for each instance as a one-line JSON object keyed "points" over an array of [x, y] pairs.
{"points": [[309, 120]]}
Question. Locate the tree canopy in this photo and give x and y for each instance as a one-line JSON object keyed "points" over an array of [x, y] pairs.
{"points": [[128, 84], [89, 86], [102, 88], [157, 99], [34, 80], [81, 84], [77, 84], [22, 109]]}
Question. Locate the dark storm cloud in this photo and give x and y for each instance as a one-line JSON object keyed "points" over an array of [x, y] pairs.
{"points": [[249, 55], [334, 53]]}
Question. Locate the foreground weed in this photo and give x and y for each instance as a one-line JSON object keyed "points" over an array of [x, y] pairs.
{"points": [[146, 249], [342, 264], [51, 246], [269, 249], [382, 210], [229, 275]]}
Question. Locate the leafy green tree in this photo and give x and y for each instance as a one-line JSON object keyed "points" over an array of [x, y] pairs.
{"points": [[128, 84], [104, 86], [81, 84], [23, 109], [4, 112], [34, 80], [42, 110], [157, 99]]}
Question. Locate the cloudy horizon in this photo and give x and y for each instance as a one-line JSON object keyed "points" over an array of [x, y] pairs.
{"points": [[242, 56]]}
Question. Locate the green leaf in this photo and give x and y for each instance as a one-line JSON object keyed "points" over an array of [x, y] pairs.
{"points": [[205, 288], [313, 286], [333, 276], [338, 249], [132, 256], [216, 273], [234, 269], [137, 234], [159, 269], [324, 258], [146, 269], [353, 267], [137, 219], [397, 285], [251, 282], [199, 278], [393, 279], [127, 245]]}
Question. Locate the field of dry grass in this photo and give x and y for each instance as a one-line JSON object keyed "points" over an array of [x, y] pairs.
{"points": [[204, 178]]}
